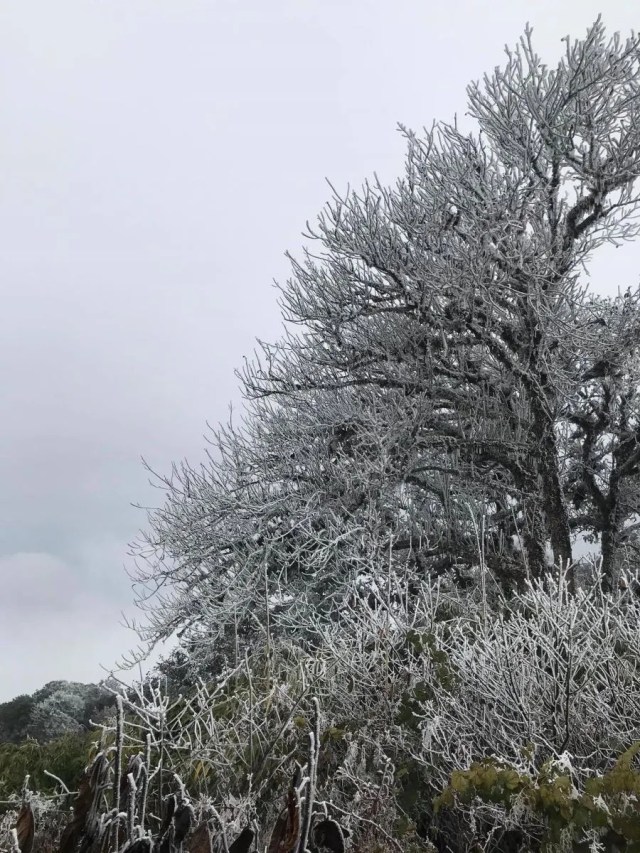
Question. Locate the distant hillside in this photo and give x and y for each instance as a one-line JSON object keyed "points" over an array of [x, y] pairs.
{"points": [[58, 708]]}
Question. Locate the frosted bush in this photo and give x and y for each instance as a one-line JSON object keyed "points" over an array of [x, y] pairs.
{"points": [[549, 675]]}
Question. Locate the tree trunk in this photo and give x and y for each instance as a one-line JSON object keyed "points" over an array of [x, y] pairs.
{"points": [[553, 502], [533, 540], [610, 537], [533, 529]]}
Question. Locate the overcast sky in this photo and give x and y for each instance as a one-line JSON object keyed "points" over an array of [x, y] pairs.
{"points": [[157, 159]]}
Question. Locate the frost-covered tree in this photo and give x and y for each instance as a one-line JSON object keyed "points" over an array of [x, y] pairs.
{"points": [[57, 708], [62, 707], [440, 398], [460, 286], [285, 516], [602, 435]]}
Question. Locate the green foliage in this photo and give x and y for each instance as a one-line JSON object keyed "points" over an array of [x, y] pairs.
{"points": [[608, 805], [423, 644], [412, 795], [65, 757]]}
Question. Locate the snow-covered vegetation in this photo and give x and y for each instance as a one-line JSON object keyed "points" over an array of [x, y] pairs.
{"points": [[385, 639]]}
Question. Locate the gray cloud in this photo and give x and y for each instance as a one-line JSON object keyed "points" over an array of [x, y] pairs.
{"points": [[158, 158], [61, 619]]}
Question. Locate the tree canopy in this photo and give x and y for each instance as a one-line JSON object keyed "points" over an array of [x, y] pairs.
{"points": [[448, 391]]}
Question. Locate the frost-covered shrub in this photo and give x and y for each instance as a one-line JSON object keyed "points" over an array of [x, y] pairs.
{"points": [[547, 673], [413, 689], [46, 819]]}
